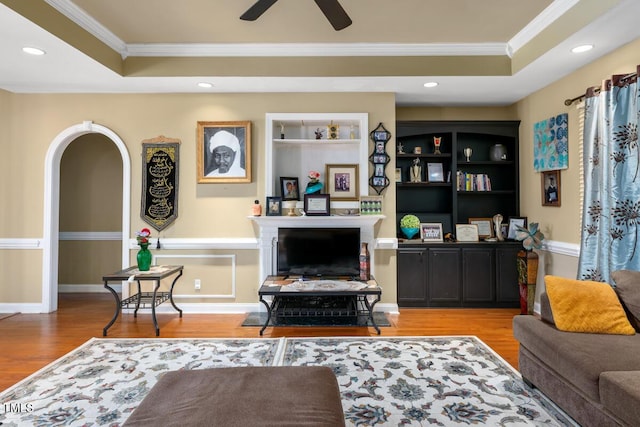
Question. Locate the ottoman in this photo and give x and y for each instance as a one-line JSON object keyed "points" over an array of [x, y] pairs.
{"points": [[246, 396]]}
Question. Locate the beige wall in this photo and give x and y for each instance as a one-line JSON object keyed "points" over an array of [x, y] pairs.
{"points": [[205, 210], [456, 113], [561, 223]]}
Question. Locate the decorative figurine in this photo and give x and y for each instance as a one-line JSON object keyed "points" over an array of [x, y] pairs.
{"points": [[437, 140], [281, 130], [497, 224], [318, 133], [416, 171], [400, 148], [467, 153]]}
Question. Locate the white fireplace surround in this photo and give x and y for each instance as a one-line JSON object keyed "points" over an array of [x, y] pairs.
{"points": [[267, 242]]}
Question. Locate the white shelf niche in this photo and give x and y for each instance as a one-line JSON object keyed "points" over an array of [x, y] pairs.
{"points": [[299, 152]]}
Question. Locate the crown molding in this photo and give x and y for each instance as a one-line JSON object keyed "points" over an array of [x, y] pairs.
{"points": [[315, 49], [86, 21], [552, 12]]}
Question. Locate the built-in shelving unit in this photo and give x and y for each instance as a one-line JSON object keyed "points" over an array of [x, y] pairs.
{"points": [[292, 150], [443, 201]]}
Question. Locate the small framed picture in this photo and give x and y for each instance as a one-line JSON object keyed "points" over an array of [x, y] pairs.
{"points": [[371, 205], [378, 169], [380, 135], [551, 188], [317, 204], [485, 227], [515, 221], [467, 232], [274, 206], [431, 232], [398, 174], [504, 228], [290, 189], [342, 181], [435, 172]]}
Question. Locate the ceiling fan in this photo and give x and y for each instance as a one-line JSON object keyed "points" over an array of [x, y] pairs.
{"points": [[331, 9]]}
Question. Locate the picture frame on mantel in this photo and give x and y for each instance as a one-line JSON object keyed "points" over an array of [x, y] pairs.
{"points": [[224, 152], [342, 182], [317, 204]]}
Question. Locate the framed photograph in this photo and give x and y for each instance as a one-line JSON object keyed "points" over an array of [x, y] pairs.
{"points": [[380, 135], [435, 172], [290, 188], [485, 227], [467, 232], [513, 223], [371, 205], [378, 169], [551, 188], [224, 152], [274, 206], [317, 204], [342, 182], [504, 227], [398, 174], [431, 232]]}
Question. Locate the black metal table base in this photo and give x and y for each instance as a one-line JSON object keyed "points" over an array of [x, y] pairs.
{"points": [[142, 299], [351, 306]]}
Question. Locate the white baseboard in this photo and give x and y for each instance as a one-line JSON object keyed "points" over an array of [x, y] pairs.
{"points": [[91, 289], [20, 307]]}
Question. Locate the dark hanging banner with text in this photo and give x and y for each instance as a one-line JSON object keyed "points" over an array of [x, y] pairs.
{"points": [[160, 161]]}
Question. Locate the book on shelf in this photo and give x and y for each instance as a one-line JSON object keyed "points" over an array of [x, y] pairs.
{"points": [[473, 181]]}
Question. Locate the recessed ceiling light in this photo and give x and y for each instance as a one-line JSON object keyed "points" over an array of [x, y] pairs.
{"points": [[431, 84], [205, 85], [33, 51], [583, 48]]}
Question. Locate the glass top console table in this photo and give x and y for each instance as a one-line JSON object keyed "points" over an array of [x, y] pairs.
{"points": [[143, 299]]}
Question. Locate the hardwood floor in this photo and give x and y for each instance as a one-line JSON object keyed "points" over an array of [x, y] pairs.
{"points": [[31, 341]]}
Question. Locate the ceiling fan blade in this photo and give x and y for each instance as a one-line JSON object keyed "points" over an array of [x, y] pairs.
{"points": [[255, 11], [334, 13]]}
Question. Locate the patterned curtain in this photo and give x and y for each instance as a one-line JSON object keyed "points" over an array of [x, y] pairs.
{"points": [[611, 213]]}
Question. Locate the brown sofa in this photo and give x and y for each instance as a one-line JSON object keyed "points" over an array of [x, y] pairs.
{"points": [[595, 378]]}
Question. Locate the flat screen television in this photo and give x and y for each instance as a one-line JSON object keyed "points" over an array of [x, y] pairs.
{"points": [[319, 252]]}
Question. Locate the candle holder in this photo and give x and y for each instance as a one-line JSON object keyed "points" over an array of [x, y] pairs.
{"points": [[437, 140]]}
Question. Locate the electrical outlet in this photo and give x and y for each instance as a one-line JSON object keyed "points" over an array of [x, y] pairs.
{"points": [[197, 283]]}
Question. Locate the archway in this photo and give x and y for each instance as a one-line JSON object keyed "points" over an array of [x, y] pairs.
{"points": [[52, 205]]}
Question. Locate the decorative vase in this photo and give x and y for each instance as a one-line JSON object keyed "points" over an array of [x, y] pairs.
{"points": [[313, 188], [527, 277], [409, 232], [144, 257], [498, 152]]}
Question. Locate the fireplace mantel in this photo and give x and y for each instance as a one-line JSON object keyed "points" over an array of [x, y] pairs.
{"points": [[269, 233]]}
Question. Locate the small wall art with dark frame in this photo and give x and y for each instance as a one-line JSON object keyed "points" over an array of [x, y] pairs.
{"points": [[224, 152], [379, 158], [551, 188]]}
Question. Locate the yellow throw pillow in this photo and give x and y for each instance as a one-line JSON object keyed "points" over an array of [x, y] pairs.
{"points": [[586, 306]]}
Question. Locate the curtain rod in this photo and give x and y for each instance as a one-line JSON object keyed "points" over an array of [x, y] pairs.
{"points": [[570, 101]]}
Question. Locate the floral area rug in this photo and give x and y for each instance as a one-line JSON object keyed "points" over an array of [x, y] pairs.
{"points": [[420, 381], [384, 381]]}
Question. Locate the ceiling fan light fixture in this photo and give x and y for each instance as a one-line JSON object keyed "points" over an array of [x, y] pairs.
{"points": [[33, 50], [205, 85], [430, 84], [582, 48]]}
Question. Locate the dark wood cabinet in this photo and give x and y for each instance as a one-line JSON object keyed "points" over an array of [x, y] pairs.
{"points": [[479, 274], [443, 275]]}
